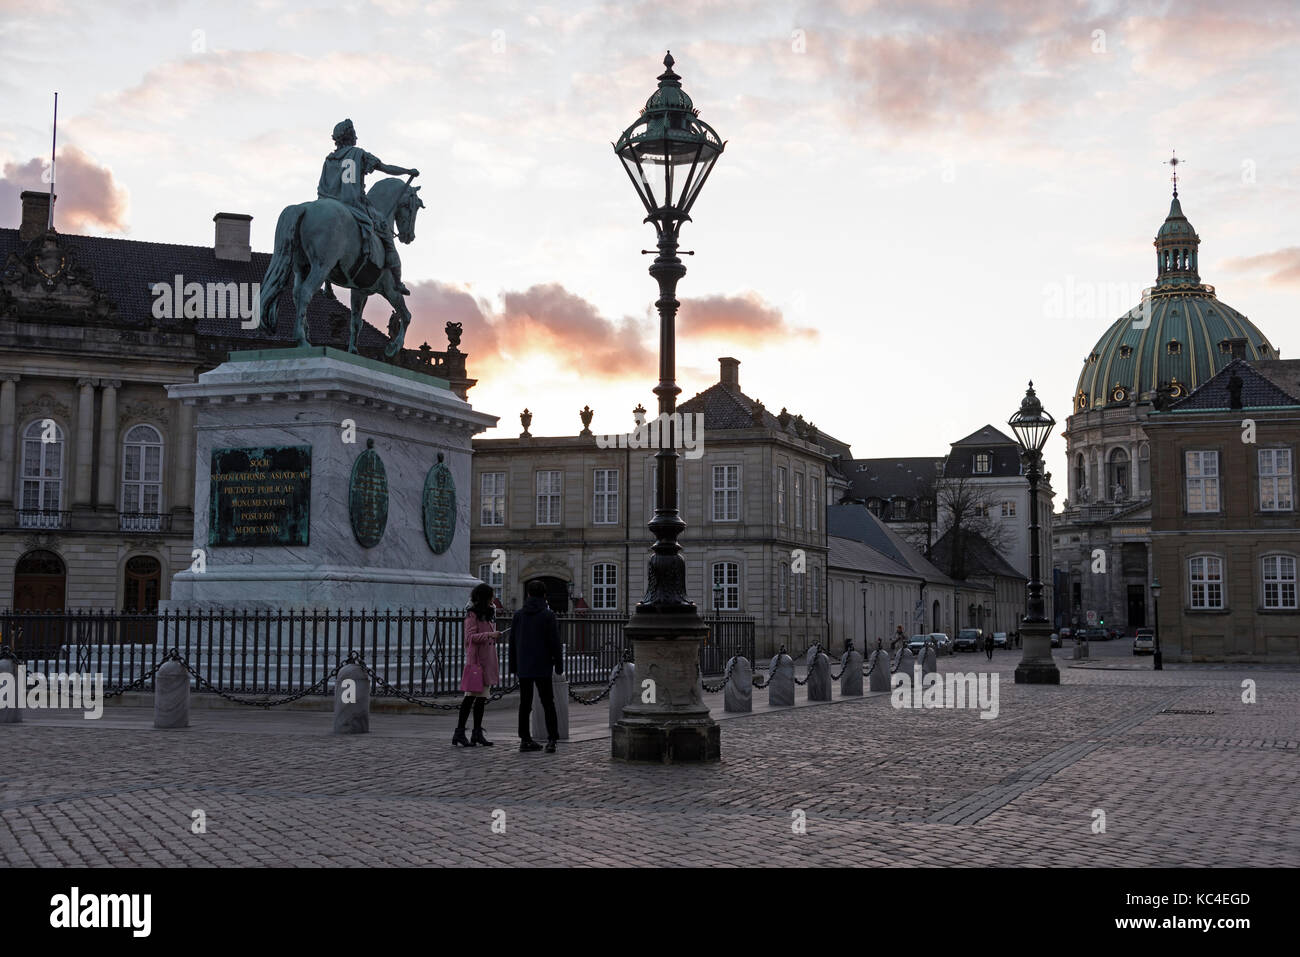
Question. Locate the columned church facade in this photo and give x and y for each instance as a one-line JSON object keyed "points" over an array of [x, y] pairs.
{"points": [[1175, 340]]}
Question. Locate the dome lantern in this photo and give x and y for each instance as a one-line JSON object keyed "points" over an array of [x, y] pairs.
{"points": [[1176, 244]]}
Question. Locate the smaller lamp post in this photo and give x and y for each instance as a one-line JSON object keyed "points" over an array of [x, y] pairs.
{"points": [[865, 583], [1032, 426], [717, 597], [1158, 661]]}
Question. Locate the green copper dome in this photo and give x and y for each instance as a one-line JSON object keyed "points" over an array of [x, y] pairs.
{"points": [[1177, 338]]}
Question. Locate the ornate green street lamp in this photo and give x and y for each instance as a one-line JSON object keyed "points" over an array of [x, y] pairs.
{"points": [[1032, 427], [668, 154]]}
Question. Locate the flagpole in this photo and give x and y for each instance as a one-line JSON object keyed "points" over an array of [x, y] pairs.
{"points": [[54, 138]]}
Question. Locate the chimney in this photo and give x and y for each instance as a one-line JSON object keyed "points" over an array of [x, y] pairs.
{"points": [[730, 372], [36, 214], [232, 237]]}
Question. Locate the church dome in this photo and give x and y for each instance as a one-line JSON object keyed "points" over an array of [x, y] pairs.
{"points": [[1176, 338]]}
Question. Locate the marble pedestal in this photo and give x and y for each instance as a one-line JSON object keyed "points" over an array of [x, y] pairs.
{"points": [[321, 397], [1037, 667]]}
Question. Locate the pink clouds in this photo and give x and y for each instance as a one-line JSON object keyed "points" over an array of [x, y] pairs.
{"points": [[1283, 265], [745, 315], [87, 196]]}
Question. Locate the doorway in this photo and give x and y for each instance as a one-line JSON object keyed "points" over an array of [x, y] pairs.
{"points": [[1137, 606], [557, 593], [40, 585]]}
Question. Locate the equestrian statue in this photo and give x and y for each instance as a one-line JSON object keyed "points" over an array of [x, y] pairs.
{"points": [[345, 238]]}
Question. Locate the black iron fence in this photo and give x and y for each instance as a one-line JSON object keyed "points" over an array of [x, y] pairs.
{"points": [[419, 653]]}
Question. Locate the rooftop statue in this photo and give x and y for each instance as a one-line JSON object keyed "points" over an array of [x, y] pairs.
{"points": [[345, 238]]}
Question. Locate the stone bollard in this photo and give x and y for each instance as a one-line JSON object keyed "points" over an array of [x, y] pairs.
{"points": [[620, 696], [929, 660], [171, 696], [819, 676], [851, 674], [352, 716], [738, 693], [1080, 649], [11, 713], [880, 672], [780, 681], [560, 692]]}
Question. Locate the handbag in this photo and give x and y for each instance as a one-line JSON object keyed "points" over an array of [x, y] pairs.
{"points": [[473, 679]]}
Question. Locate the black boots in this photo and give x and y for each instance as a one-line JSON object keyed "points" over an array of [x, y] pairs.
{"points": [[477, 736], [459, 737], [528, 744], [550, 746]]}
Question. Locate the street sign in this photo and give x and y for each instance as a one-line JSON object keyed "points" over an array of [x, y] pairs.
{"points": [[1092, 619]]}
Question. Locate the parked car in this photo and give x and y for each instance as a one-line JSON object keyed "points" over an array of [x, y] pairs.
{"points": [[1092, 634], [943, 641], [969, 639], [1066, 632], [916, 643], [999, 639], [1144, 643], [1056, 640]]}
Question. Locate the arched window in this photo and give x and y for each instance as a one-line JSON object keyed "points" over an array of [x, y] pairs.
{"points": [[1117, 475], [41, 502], [935, 614], [142, 480], [1205, 578], [1144, 467], [1278, 576]]}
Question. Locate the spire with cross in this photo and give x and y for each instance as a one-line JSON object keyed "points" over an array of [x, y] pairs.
{"points": [[1173, 162]]}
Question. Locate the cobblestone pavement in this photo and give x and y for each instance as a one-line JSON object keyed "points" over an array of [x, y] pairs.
{"points": [[876, 785]]}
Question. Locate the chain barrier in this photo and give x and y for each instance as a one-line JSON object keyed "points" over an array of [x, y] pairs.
{"points": [[809, 658], [613, 678], [713, 689]]}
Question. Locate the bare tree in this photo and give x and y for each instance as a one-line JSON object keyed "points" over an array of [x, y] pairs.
{"points": [[965, 507]]}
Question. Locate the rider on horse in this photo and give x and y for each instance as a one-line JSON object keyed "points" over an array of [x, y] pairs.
{"points": [[342, 178]]}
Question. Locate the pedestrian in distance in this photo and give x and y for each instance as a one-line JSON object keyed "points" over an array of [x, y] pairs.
{"points": [[988, 645], [534, 653], [481, 671]]}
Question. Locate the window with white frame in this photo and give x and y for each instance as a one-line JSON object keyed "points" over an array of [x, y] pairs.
{"points": [[1275, 481], [780, 496], [42, 475], [604, 586], [549, 497], [496, 579], [726, 493], [1202, 481], [726, 575], [604, 501], [142, 451], [1205, 575], [815, 585], [814, 501], [797, 492], [492, 498], [898, 509], [782, 586], [799, 581], [983, 463], [1009, 509], [1279, 581]]}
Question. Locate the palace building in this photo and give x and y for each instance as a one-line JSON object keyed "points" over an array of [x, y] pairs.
{"points": [[1176, 339]]}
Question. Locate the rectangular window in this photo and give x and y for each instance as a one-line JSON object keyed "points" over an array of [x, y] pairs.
{"points": [[1008, 509], [816, 586], [604, 502], [726, 575], [726, 493], [1202, 481], [549, 507], [798, 499], [1205, 573], [1275, 482], [898, 509], [780, 496], [782, 586], [604, 586], [799, 581], [492, 498], [814, 502], [983, 463], [495, 579], [1279, 581]]}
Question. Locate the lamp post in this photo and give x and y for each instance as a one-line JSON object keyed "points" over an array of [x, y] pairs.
{"points": [[668, 153], [1032, 426], [1156, 658], [717, 597], [865, 583]]}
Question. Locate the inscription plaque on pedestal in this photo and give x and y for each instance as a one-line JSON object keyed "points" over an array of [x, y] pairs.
{"points": [[368, 497], [260, 496], [439, 507]]}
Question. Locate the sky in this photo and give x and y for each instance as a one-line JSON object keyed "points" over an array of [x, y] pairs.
{"points": [[921, 206]]}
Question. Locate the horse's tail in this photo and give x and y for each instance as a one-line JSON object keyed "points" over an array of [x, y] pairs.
{"points": [[281, 267]]}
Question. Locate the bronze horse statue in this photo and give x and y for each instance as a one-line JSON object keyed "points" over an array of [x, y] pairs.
{"points": [[320, 243]]}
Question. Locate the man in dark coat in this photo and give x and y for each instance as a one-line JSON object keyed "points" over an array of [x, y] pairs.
{"points": [[534, 651]]}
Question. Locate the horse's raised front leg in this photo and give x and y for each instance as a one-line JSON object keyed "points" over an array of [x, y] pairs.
{"points": [[358, 307]]}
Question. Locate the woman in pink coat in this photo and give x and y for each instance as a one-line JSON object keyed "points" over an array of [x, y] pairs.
{"points": [[481, 671]]}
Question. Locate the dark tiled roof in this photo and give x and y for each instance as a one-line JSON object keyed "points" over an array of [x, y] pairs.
{"points": [[987, 436], [981, 557], [1257, 390], [861, 557], [727, 408], [125, 270], [889, 478], [858, 524]]}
